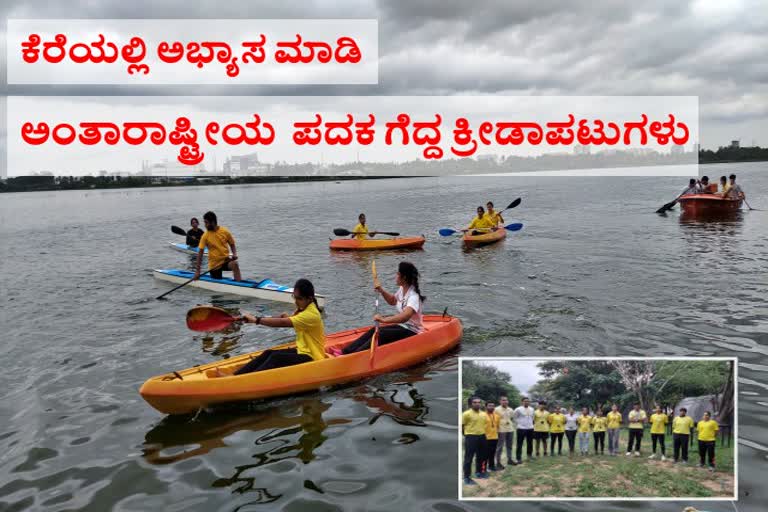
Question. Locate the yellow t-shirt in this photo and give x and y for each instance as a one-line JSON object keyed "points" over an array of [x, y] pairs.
{"points": [[492, 426], [556, 422], [310, 332], [636, 418], [658, 423], [495, 218], [218, 243], [474, 422], [540, 423], [584, 423], [360, 231], [682, 425], [484, 223], [614, 419], [707, 430], [599, 423]]}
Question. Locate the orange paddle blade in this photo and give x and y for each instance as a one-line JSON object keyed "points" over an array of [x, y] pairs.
{"points": [[208, 319]]}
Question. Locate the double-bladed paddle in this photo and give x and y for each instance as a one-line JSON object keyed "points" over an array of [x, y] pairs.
{"points": [[209, 319], [178, 231], [344, 232], [517, 226]]}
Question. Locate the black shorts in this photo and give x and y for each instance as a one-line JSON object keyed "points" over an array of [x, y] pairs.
{"points": [[540, 435], [216, 273]]}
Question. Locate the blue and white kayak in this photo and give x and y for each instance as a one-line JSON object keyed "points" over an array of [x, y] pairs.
{"points": [[265, 289], [188, 249]]}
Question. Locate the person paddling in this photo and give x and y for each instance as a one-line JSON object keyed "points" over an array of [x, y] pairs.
{"points": [[494, 216], [734, 190], [361, 230], [310, 332], [408, 321], [195, 234], [219, 242], [481, 223]]}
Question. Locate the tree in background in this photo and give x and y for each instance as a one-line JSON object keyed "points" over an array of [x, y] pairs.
{"points": [[589, 384], [675, 380], [487, 382]]}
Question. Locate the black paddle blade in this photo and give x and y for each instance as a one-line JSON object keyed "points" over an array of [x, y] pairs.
{"points": [[178, 230], [341, 232], [666, 207], [514, 203]]}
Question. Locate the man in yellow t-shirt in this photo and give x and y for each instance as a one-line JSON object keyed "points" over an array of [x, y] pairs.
{"points": [[614, 427], [585, 422], [599, 426], [361, 230], [219, 242], [473, 424], [541, 427], [681, 435], [659, 422], [556, 421], [637, 419], [491, 437], [706, 430], [480, 224]]}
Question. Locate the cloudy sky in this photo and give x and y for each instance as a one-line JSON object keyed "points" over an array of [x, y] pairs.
{"points": [[708, 48], [524, 373]]}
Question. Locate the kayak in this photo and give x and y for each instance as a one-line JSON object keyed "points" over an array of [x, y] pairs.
{"points": [[352, 244], [186, 391], [265, 289], [471, 241], [707, 204], [188, 249]]}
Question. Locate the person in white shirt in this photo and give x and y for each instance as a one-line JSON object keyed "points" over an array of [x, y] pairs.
{"points": [[506, 431], [523, 417], [409, 303], [571, 426]]}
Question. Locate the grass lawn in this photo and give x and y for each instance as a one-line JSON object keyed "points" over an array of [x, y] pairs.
{"points": [[607, 476]]}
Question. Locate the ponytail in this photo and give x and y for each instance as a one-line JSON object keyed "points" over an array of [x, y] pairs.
{"points": [[410, 275]]}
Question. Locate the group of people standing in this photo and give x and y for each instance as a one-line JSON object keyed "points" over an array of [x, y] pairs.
{"points": [[490, 428]]}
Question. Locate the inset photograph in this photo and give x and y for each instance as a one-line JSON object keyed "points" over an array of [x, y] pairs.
{"points": [[598, 428]]}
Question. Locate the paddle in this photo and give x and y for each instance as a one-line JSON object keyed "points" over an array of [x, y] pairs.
{"points": [[746, 203], [667, 206], [178, 231], [375, 337], [344, 232], [511, 205], [509, 227], [182, 285], [209, 319]]}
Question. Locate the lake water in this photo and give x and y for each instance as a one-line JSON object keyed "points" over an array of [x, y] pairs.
{"points": [[594, 272]]}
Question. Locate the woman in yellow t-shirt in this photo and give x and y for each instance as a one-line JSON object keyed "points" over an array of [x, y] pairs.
{"points": [[706, 430], [480, 224], [614, 427], [556, 420], [585, 422], [659, 422], [310, 333], [599, 426]]}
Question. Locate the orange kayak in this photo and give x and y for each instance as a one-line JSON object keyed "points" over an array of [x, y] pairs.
{"points": [[186, 391], [352, 244], [707, 204], [471, 241]]}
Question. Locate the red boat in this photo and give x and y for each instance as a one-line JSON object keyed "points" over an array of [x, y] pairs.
{"points": [[707, 204]]}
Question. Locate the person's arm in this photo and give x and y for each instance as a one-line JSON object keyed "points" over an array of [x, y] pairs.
{"points": [[388, 297], [232, 248], [399, 318], [269, 321]]}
